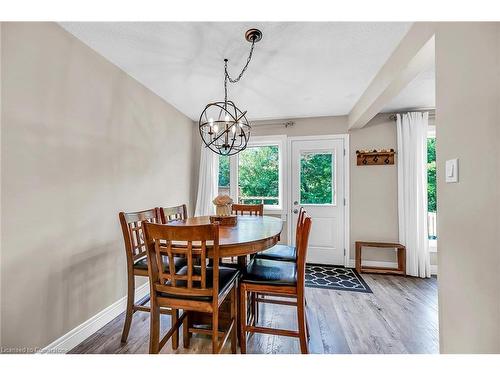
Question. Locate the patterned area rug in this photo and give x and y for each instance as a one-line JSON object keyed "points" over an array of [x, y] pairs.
{"points": [[335, 277]]}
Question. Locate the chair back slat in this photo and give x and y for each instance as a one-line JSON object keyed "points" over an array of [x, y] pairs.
{"points": [[248, 209], [173, 241], [300, 221], [133, 234], [203, 266], [173, 213], [302, 244]]}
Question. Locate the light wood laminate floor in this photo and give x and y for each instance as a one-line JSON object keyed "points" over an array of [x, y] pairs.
{"points": [[399, 317]]}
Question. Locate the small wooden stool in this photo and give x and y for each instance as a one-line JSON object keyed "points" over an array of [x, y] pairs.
{"points": [[401, 270]]}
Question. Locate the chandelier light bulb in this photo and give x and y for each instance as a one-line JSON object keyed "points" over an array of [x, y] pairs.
{"points": [[216, 128]]}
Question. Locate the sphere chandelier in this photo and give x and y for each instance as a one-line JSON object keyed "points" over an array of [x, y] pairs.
{"points": [[224, 128]]}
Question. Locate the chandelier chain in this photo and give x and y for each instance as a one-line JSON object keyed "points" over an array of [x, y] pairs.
{"points": [[234, 80], [227, 77]]}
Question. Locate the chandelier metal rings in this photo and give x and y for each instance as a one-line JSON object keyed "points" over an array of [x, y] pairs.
{"points": [[224, 128]]}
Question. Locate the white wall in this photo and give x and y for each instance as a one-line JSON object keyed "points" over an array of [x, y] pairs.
{"points": [[468, 102], [81, 141]]}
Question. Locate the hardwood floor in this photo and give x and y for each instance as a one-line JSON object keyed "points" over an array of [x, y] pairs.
{"points": [[399, 317]]}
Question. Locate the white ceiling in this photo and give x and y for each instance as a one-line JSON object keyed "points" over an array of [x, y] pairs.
{"points": [[298, 69]]}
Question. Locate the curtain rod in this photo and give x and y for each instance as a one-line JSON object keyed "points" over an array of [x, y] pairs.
{"points": [[286, 123], [431, 111]]}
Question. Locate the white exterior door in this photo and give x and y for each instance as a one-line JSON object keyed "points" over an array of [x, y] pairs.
{"points": [[318, 184]]}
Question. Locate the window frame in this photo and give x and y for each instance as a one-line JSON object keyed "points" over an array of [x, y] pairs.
{"points": [[259, 141]]}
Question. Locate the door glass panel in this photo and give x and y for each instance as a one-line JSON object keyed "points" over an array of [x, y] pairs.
{"points": [[316, 178]]}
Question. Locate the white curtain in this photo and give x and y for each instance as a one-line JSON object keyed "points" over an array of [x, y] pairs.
{"points": [[412, 191], [207, 182]]}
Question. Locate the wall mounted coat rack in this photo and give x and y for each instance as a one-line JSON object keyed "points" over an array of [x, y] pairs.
{"points": [[375, 157]]}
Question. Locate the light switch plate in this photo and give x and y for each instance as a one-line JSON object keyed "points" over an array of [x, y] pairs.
{"points": [[451, 171]]}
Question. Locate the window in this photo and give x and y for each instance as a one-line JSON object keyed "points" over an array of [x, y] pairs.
{"points": [[431, 189], [255, 175], [224, 175], [258, 175], [316, 178]]}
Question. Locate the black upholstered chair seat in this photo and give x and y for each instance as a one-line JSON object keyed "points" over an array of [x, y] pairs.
{"points": [[270, 272], [142, 264], [226, 277], [279, 252]]}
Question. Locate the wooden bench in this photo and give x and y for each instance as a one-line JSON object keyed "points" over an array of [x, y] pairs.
{"points": [[401, 250]]}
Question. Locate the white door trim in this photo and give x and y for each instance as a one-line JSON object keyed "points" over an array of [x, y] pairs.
{"points": [[347, 222]]}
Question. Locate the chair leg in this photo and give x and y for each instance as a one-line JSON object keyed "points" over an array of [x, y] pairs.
{"points": [[215, 331], [186, 336], [253, 306], [175, 336], [154, 329], [243, 319], [307, 326], [301, 320], [307, 323], [256, 312], [234, 318], [130, 307]]}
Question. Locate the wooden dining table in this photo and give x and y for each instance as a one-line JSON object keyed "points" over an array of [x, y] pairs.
{"points": [[250, 235]]}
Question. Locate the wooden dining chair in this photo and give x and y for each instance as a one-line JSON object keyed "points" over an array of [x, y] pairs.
{"points": [[279, 252], [196, 287], [248, 209], [284, 252], [137, 265], [173, 213], [282, 279]]}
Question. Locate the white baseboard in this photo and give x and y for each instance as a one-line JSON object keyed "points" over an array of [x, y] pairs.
{"points": [[373, 263], [77, 335]]}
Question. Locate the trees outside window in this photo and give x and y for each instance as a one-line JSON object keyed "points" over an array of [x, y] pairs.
{"points": [[316, 178], [255, 175], [431, 175], [258, 175], [224, 175], [431, 187]]}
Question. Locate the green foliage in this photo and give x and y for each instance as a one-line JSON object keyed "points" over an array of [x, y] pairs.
{"points": [[259, 173], [431, 175], [224, 171], [316, 179]]}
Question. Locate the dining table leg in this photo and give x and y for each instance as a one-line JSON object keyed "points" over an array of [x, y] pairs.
{"points": [[242, 263]]}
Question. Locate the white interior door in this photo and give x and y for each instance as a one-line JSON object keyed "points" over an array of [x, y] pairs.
{"points": [[317, 184]]}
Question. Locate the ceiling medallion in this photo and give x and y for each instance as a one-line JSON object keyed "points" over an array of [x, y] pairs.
{"points": [[224, 128]]}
